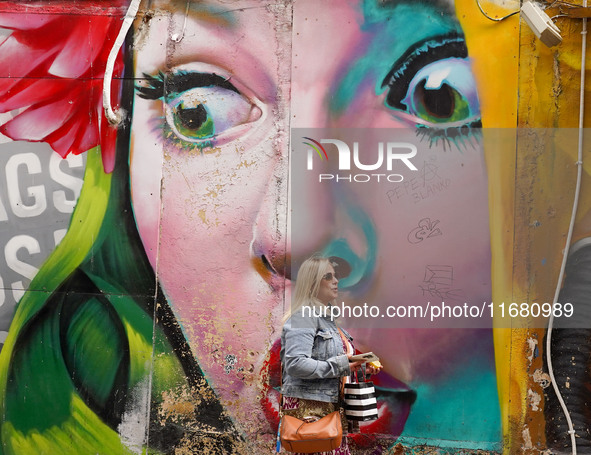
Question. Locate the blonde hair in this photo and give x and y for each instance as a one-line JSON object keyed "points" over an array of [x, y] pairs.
{"points": [[307, 283]]}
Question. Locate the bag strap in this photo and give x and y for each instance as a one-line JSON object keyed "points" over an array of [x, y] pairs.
{"points": [[354, 373], [341, 394], [343, 338], [281, 390], [280, 406]]}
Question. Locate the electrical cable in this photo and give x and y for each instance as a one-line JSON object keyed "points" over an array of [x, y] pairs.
{"points": [[115, 117], [495, 19], [557, 16], [579, 164], [560, 3]]}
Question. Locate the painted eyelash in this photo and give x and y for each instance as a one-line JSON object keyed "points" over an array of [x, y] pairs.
{"points": [[458, 136], [162, 85], [171, 138], [399, 78], [417, 57], [155, 89]]}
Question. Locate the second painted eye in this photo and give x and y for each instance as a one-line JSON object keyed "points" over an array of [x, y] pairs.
{"points": [[202, 113], [432, 86], [443, 92]]}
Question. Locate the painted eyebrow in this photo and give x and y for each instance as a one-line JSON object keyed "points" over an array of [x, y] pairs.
{"points": [[166, 83], [416, 57]]}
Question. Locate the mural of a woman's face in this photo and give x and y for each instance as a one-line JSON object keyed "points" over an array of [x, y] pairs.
{"points": [[208, 169], [209, 179]]}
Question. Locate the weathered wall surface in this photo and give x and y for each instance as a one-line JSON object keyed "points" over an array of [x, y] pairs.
{"points": [[154, 325]]}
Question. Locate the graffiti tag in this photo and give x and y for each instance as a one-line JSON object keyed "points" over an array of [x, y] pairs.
{"points": [[425, 229], [438, 282]]}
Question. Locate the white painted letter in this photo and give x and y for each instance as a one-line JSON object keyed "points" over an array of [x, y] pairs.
{"points": [[61, 202], [31, 161], [10, 253]]}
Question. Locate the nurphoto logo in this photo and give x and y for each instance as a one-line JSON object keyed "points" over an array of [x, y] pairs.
{"points": [[384, 159]]}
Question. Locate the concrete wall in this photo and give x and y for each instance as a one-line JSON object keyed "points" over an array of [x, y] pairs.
{"points": [[154, 325]]}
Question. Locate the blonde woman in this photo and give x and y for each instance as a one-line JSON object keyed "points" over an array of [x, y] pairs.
{"points": [[315, 353]]}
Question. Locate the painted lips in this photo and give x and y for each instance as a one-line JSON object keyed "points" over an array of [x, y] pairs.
{"points": [[394, 398]]}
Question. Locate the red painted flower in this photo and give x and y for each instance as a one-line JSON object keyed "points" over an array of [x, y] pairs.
{"points": [[51, 75]]}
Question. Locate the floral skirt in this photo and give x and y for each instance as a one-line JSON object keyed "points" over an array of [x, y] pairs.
{"points": [[300, 409]]}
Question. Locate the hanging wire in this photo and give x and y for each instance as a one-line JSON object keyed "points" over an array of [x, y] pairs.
{"points": [[557, 16], [495, 19], [579, 163], [116, 117], [563, 3], [176, 38]]}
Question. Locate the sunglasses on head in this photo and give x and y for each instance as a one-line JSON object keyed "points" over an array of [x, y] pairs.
{"points": [[329, 276]]}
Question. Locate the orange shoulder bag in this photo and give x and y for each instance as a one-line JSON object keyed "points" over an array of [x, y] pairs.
{"points": [[322, 435]]}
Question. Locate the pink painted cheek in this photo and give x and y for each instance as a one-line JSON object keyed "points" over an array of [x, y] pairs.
{"points": [[145, 176]]}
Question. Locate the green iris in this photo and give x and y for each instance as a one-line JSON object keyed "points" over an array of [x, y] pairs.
{"points": [[441, 105], [193, 122]]}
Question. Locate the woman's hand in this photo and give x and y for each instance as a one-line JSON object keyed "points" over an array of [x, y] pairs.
{"points": [[356, 364], [371, 369]]}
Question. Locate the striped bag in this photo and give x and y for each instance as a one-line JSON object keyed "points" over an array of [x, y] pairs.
{"points": [[360, 401]]}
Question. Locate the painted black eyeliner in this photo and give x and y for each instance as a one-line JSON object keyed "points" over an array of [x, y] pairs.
{"points": [[418, 56], [165, 84], [155, 88]]}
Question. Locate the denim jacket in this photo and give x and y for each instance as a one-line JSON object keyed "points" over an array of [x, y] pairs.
{"points": [[312, 358]]}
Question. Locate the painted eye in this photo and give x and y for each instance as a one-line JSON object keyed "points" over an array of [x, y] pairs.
{"points": [[443, 92], [203, 113], [431, 85]]}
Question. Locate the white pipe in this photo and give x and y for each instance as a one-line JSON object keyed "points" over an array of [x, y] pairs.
{"points": [[113, 117], [579, 163]]}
